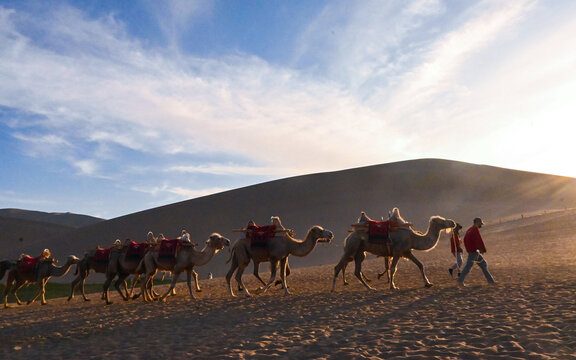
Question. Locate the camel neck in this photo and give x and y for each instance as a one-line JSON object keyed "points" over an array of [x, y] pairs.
{"points": [[427, 241], [304, 247], [205, 255]]}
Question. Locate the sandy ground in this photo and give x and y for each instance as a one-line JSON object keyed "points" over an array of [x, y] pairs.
{"points": [[529, 314]]}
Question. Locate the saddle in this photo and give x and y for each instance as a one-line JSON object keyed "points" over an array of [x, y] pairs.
{"points": [[136, 251], [260, 235], [102, 255], [379, 231], [168, 249], [28, 263]]}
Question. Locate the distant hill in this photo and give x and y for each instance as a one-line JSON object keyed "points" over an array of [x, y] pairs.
{"points": [[420, 188], [26, 231], [25, 236], [65, 219]]}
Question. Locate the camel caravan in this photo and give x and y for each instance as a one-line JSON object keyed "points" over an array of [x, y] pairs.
{"points": [[271, 243]]}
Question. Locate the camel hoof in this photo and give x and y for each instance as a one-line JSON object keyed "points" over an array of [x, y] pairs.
{"points": [[198, 290], [86, 299], [28, 303], [428, 285], [346, 283]]}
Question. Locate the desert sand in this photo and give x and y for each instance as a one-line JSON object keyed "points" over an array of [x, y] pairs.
{"points": [[529, 314]]}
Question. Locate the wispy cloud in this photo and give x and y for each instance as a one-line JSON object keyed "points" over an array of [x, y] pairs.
{"points": [[371, 82]]}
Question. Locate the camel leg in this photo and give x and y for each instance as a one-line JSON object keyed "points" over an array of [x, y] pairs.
{"points": [[365, 278], [344, 281], [117, 283], [393, 271], [273, 268], [233, 267], [386, 269], [43, 290], [256, 272], [341, 266], [38, 293], [189, 282], [73, 286], [175, 276], [8, 289], [283, 265], [144, 282], [133, 284], [421, 267], [83, 290], [358, 259], [106, 288], [239, 272], [195, 274]]}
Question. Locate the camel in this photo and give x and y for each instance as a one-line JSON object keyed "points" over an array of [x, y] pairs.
{"points": [[274, 220], [403, 241], [279, 248], [186, 258], [44, 270], [363, 220], [119, 264], [87, 263]]}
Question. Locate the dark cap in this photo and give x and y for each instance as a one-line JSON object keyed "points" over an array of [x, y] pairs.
{"points": [[478, 220]]}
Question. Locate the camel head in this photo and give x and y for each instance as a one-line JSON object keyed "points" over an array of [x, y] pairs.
{"points": [[323, 235], [442, 223], [72, 259], [217, 241]]}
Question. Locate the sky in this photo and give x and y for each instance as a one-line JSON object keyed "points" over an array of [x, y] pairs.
{"points": [[113, 107]]}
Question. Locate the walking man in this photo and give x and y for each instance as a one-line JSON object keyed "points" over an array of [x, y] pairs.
{"points": [[475, 248]]}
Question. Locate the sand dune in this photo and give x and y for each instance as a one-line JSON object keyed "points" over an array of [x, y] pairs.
{"points": [[529, 314], [420, 188]]}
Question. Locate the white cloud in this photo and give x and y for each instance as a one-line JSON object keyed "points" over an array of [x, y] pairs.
{"points": [[177, 193], [380, 89]]}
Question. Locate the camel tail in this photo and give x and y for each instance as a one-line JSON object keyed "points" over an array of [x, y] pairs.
{"points": [[141, 267], [4, 267], [2, 270], [231, 256]]}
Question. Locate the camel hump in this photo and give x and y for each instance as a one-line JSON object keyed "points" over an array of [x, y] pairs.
{"points": [[363, 219], [395, 215]]}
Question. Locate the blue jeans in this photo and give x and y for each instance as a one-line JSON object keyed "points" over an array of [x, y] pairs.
{"points": [[476, 257]]}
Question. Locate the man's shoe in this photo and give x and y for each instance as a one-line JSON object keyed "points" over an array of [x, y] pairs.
{"points": [[451, 271]]}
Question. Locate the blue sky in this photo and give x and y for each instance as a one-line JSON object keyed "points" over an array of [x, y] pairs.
{"points": [[112, 107]]}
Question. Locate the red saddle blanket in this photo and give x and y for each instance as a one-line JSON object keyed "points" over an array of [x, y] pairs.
{"points": [[136, 251], [102, 255], [378, 231], [260, 235], [28, 263], [169, 248]]}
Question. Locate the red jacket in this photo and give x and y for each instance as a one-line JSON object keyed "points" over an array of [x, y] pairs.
{"points": [[473, 240], [455, 243]]}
